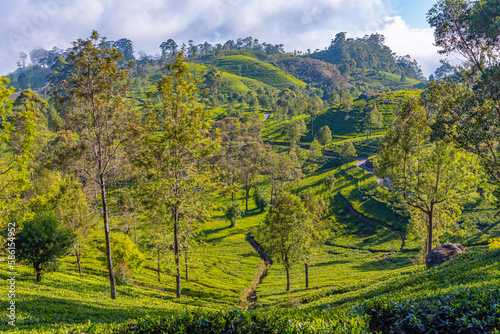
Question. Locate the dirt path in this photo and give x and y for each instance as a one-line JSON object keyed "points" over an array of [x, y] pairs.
{"points": [[361, 163], [249, 296], [266, 116], [372, 222]]}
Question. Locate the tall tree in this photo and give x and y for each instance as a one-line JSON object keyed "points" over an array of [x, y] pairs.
{"points": [[313, 109], [249, 163], [126, 47], [348, 151], [325, 135], [38, 55], [15, 155], [281, 170], [175, 151], [295, 130], [373, 119], [75, 213], [466, 105], [22, 58], [315, 153], [213, 80], [432, 180], [287, 230], [317, 209], [90, 91], [168, 49]]}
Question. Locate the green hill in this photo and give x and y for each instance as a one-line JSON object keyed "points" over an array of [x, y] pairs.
{"points": [[253, 68]]}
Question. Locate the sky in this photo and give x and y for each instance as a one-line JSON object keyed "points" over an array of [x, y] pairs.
{"points": [[298, 24]]}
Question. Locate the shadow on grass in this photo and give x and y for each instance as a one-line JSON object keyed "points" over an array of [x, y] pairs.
{"points": [[329, 263], [384, 264], [216, 230], [42, 310]]}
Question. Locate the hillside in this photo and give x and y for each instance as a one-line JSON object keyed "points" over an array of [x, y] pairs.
{"points": [[245, 66], [368, 52], [240, 191], [361, 270]]}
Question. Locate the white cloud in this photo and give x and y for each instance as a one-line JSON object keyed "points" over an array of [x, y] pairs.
{"points": [[418, 43], [298, 24]]}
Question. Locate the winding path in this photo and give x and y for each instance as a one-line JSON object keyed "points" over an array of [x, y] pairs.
{"points": [[266, 116], [361, 163], [249, 296]]}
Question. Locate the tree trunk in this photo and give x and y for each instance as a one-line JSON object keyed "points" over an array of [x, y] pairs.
{"points": [[159, 278], [186, 262], [177, 254], [135, 232], [307, 274], [112, 281], [232, 196], [38, 271], [312, 128], [272, 192], [287, 278], [79, 262], [429, 230], [247, 193]]}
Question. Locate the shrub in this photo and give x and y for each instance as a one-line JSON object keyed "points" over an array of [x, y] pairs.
{"points": [[261, 199], [43, 240], [233, 212], [123, 250], [123, 275], [494, 243]]}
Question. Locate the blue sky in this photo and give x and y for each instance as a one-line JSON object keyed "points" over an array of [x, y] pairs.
{"points": [[298, 24], [414, 12]]}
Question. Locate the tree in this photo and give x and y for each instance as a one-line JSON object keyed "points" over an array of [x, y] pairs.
{"points": [[313, 108], [41, 240], [347, 150], [373, 119], [126, 47], [22, 58], [174, 152], [24, 81], [156, 241], [315, 153], [90, 89], [288, 231], [168, 49], [38, 56], [443, 71], [16, 154], [325, 135], [75, 213], [317, 209], [213, 80], [295, 130], [281, 170], [466, 106], [430, 179], [249, 162], [347, 102], [329, 183]]}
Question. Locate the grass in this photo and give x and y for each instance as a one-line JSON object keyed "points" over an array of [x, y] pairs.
{"points": [[358, 268]]}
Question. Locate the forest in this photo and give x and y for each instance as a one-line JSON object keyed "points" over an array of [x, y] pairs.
{"points": [[240, 188]]}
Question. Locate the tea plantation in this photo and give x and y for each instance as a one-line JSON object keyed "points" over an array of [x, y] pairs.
{"points": [[361, 280]]}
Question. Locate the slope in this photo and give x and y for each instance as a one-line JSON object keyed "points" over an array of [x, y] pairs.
{"points": [[256, 69]]}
